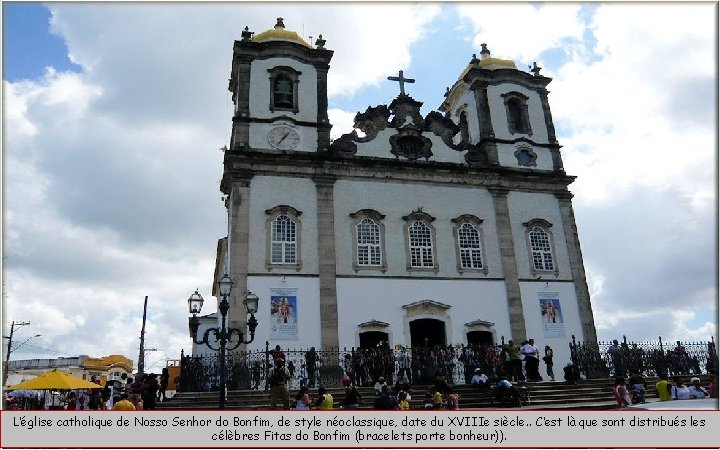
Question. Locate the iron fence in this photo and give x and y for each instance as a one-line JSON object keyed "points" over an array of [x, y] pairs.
{"points": [[326, 367], [650, 358]]}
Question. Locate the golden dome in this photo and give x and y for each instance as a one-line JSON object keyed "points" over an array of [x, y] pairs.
{"points": [[488, 62], [279, 33], [496, 63]]}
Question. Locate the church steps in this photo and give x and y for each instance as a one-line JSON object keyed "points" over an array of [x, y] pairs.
{"points": [[589, 394], [551, 395]]}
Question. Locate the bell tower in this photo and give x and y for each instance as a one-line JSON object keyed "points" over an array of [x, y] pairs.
{"points": [[504, 115], [279, 90]]}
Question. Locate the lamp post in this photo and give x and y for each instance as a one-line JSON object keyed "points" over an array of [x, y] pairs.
{"points": [[223, 334]]}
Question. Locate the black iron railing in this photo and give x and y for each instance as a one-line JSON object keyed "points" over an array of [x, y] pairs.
{"points": [[326, 367], [421, 365], [649, 358]]}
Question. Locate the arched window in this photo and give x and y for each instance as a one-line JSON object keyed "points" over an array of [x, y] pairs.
{"points": [[421, 248], [470, 248], [283, 244], [284, 240], [369, 251], [283, 92], [284, 84], [469, 244], [464, 130], [540, 243], [420, 235], [517, 113], [368, 234], [541, 250]]}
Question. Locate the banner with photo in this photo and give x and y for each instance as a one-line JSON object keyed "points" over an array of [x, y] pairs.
{"points": [[283, 314], [551, 312]]}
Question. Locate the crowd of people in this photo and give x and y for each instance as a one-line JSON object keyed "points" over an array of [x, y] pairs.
{"points": [[632, 391], [141, 392], [392, 375], [391, 396]]}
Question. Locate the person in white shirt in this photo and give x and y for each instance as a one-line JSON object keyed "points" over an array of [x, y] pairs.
{"points": [[532, 361], [697, 391], [679, 391], [379, 385], [479, 379]]}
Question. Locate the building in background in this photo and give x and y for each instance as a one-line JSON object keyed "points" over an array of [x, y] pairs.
{"points": [[206, 322], [452, 228], [106, 368]]}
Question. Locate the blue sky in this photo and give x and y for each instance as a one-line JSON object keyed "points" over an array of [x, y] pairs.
{"points": [[28, 45], [112, 165]]}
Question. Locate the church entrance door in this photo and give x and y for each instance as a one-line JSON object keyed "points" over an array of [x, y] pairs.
{"points": [[480, 338], [373, 339], [432, 330]]}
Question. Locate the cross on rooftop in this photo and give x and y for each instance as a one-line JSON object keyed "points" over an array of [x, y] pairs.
{"points": [[402, 80]]}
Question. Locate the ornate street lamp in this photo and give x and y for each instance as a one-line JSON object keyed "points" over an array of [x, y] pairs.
{"points": [[223, 334]]}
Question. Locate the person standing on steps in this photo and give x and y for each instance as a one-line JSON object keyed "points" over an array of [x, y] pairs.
{"points": [[311, 359], [164, 380], [532, 361], [513, 352], [548, 359], [352, 395], [278, 385]]}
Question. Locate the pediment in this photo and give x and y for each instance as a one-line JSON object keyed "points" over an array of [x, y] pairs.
{"points": [[480, 324], [374, 324], [426, 307]]}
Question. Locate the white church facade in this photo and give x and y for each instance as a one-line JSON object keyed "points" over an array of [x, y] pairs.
{"points": [[450, 229]]}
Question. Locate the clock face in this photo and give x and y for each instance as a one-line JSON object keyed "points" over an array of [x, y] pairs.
{"points": [[283, 138]]}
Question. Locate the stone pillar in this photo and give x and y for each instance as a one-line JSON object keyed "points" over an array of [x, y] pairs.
{"points": [[238, 252], [509, 264], [555, 148], [577, 268], [243, 87], [326, 259], [322, 106], [241, 127], [548, 116], [486, 129]]}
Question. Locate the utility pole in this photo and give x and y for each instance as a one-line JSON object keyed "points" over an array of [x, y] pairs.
{"points": [[13, 325], [141, 356]]}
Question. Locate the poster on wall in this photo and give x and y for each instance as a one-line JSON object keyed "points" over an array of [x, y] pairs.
{"points": [[551, 312], [283, 314]]}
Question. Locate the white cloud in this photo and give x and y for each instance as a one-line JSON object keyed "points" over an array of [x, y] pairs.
{"points": [[379, 45], [342, 121], [522, 31], [113, 173]]}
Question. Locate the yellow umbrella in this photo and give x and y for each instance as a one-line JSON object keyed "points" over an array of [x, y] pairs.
{"points": [[55, 379]]}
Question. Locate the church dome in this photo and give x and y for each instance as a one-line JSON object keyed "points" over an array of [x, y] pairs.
{"points": [[279, 33], [488, 62]]}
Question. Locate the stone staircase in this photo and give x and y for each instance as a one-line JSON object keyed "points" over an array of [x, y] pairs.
{"points": [[589, 394]]}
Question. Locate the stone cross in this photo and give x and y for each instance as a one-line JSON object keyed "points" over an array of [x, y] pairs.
{"points": [[402, 80], [535, 69]]}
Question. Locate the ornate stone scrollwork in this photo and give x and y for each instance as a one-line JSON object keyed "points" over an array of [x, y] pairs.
{"points": [[426, 307], [443, 127], [404, 108], [371, 122], [345, 145], [476, 156], [410, 144]]}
